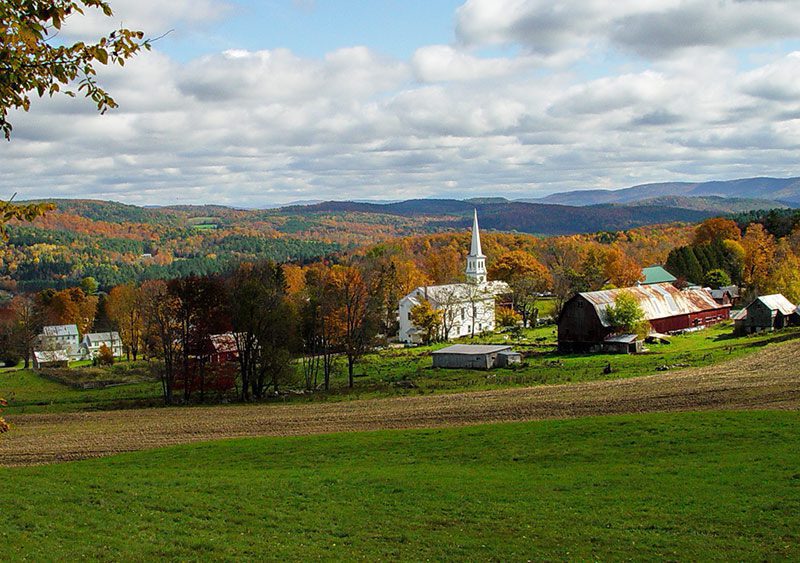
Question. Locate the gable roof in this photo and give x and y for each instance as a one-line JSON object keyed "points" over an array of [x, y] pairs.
{"points": [[60, 330], [472, 349], [658, 301], [47, 356], [102, 337], [224, 343], [656, 274], [777, 302]]}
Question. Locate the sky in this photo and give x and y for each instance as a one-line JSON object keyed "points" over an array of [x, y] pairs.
{"points": [[253, 103]]}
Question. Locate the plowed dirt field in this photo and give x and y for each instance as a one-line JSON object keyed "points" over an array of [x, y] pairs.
{"points": [[768, 379]]}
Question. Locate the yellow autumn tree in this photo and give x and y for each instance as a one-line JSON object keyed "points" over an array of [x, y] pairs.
{"points": [[759, 254], [784, 276]]}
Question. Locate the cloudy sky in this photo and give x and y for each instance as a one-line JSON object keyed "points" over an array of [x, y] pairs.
{"points": [[253, 102]]}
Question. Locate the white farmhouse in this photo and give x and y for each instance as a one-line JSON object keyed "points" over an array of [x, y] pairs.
{"points": [[91, 343], [467, 308], [61, 337]]}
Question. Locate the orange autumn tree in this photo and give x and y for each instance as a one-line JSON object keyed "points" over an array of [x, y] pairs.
{"points": [[528, 279], [620, 270], [716, 229], [4, 426]]}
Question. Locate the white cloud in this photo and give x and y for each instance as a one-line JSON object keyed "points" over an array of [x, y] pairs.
{"points": [[254, 127], [151, 16]]}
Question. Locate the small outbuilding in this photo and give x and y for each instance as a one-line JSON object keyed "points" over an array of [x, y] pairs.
{"points": [[508, 358], [469, 356], [768, 312], [726, 295], [622, 344], [50, 359], [224, 348]]}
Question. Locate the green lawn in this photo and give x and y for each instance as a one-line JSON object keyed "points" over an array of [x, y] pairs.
{"points": [[693, 486], [405, 371], [381, 372], [27, 391]]}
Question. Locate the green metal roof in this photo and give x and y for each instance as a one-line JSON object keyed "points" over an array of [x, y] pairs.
{"points": [[657, 274]]}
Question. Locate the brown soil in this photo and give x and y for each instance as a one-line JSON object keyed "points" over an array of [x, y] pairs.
{"points": [[768, 379]]}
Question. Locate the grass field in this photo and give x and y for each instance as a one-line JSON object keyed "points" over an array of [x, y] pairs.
{"points": [[694, 486], [388, 372], [380, 372]]}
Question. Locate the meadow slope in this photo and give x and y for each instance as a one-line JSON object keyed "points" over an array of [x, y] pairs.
{"points": [[768, 379]]}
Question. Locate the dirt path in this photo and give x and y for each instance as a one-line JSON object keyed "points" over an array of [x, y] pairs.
{"points": [[769, 379]]}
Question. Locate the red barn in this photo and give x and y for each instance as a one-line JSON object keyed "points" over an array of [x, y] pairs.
{"points": [[223, 348], [583, 325]]}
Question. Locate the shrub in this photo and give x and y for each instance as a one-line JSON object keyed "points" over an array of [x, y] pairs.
{"points": [[508, 317], [105, 357], [4, 426]]}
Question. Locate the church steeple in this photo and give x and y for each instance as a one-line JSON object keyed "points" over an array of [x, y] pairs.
{"points": [[476, 261]]}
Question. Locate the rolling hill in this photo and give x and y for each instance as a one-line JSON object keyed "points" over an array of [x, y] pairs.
{"points": [[782, 190]]}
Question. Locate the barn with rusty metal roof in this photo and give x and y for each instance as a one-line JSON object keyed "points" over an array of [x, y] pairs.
{"points": [[583, 324]]}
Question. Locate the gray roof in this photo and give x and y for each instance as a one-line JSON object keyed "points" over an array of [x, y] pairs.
{"points": [[60, 330], [473, 349], [46, 356], [622, 338], [777, 302], [101, 337]]}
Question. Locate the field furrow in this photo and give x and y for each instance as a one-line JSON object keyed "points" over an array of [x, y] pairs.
{"points": [[768, 379]]}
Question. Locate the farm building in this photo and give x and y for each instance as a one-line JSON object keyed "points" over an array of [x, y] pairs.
{"points": [[726, 295], [583, 324], [767, 312], [656, 274], [224, 348], [622, 344], [50, 359], [472, 356], [61, 337], [91, 343]]}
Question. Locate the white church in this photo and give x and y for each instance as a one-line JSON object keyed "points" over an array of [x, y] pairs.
{"points": [[467, 308]]}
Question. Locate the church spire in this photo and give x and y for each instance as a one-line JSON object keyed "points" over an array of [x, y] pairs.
{"points": [[475, 249], [476, 261]]}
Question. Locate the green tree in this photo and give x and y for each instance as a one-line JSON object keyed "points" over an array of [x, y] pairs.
{"points": [[717, 278], [89, 286], [31, 61], [626, 315]]}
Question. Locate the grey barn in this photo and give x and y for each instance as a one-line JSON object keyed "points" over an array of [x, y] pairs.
{"points": [[767, 312], [473, 356]]}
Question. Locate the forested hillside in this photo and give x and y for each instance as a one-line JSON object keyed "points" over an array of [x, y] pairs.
{"points": [[117, 243]]}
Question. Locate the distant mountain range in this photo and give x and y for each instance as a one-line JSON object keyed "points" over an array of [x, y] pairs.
{"points": [[785, 191], [504, 215]]}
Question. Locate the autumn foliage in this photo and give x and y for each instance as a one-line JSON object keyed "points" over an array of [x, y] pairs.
{"points": [[4, 426]]}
